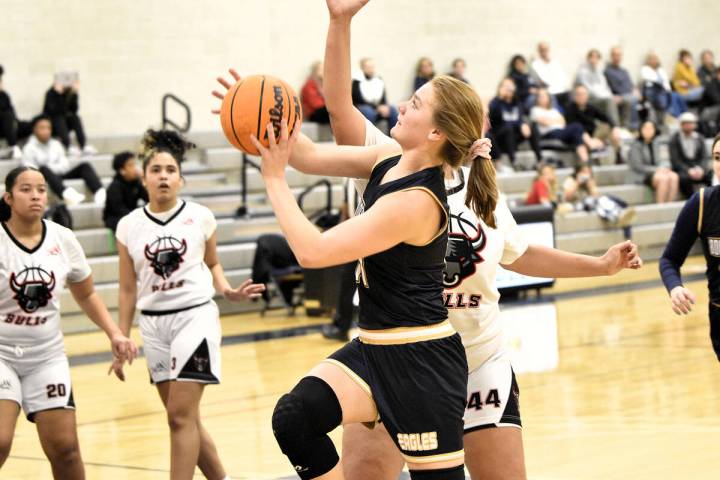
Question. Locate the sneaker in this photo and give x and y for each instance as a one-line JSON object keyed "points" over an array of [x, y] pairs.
{"points": [[332, 332], [626, 217], [89, 150], [100, 197], [73, 151], [16, 153], [72, 196]]}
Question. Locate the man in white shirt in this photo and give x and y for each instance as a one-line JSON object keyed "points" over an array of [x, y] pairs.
{"points": [[48, 155], [550, 74], [370, 97]]}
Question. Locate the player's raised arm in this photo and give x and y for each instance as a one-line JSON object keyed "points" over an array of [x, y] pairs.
{"points": [[324, 159], [348, 124]]}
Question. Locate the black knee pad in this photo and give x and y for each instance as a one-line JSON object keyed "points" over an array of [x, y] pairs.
{"points": [[453, 473], [301, 421]]}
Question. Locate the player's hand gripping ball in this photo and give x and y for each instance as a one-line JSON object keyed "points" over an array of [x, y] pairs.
{"points": [[253, 102]]}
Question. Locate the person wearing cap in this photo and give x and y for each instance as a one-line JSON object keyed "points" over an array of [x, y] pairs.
{"points": [[688, 156]]}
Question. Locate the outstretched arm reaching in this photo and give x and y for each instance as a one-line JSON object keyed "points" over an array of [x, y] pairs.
{"points": [[539, 261], [348, 124]]}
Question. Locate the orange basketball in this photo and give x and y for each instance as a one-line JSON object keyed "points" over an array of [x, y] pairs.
{"points": [[251, 104]]}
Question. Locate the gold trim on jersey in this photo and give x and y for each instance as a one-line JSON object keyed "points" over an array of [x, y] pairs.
{"points": [[442, 209], [443, 457], [700, 215], [403, 335], [717, 305], [354, 376]]}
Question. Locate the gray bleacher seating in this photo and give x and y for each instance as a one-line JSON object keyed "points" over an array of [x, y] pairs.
{"points": [[212, 178]]}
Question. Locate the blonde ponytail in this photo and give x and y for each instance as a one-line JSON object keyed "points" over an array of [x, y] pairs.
{"points": [[459, 114]]}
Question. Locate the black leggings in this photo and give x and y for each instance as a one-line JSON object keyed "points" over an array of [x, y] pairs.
{"points": [[84, 171], [11, 129], [509, 137], [62, 125]]}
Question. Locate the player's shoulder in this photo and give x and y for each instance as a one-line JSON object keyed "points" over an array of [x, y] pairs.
{"points": [[60, 235], [712, 192], [57, 230], [197, 210], [132, 218]]}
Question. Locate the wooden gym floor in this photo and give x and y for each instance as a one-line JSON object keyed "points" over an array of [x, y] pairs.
{"points": [[615, 387]]}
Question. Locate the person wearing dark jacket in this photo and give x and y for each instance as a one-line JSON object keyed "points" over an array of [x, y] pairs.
{"points": [[125, 190], [11, 129], [581, 111], [525, 87], [508, 127], [61, 105], [710, 116], [688, 156]]}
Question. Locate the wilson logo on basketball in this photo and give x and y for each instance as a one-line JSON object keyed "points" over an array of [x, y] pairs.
{"points": [[33, 288], [165, 255], [276, 113]]}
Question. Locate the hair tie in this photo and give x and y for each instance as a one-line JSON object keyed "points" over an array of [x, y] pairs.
{"points": [[481, 148]]}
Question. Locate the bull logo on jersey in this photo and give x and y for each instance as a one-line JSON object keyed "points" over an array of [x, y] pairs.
{"points": [[33, 288], [165, 255], [466, 240]]}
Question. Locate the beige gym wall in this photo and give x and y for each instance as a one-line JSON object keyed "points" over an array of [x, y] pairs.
{"points": [[130, 52]]}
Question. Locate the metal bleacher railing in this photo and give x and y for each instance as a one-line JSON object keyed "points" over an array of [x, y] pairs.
{"points": [[166, 121]]}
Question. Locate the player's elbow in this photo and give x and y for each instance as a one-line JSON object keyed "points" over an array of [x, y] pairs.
{"points": [[310, 260]]}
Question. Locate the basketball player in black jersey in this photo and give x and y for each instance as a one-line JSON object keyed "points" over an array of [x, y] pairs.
{"points": [[408, 367], [700, 217]]}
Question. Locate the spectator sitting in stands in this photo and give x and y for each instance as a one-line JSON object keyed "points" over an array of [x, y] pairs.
{"points": [[370, 97], [61, 106], [625, 94], [647, 167], [549, 74], [424, 72], [706, 70], [11, 129], [525, 88], [689, 156], [48, 155], [657, 89], [125, 191], [508, 128], [582, 112], [711, 100], [544, 188], [580, 193], [458, 70], [311, 95], [273, 253], [685, 79], [591, 76], [551, 125]]}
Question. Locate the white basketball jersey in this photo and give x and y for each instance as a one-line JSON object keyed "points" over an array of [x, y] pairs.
{"points": [[32, 280], [168, 253], [473, 254]]}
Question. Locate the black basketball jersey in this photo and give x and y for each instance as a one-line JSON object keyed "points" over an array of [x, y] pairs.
{"points": [[709, 232], [403, 286]]}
